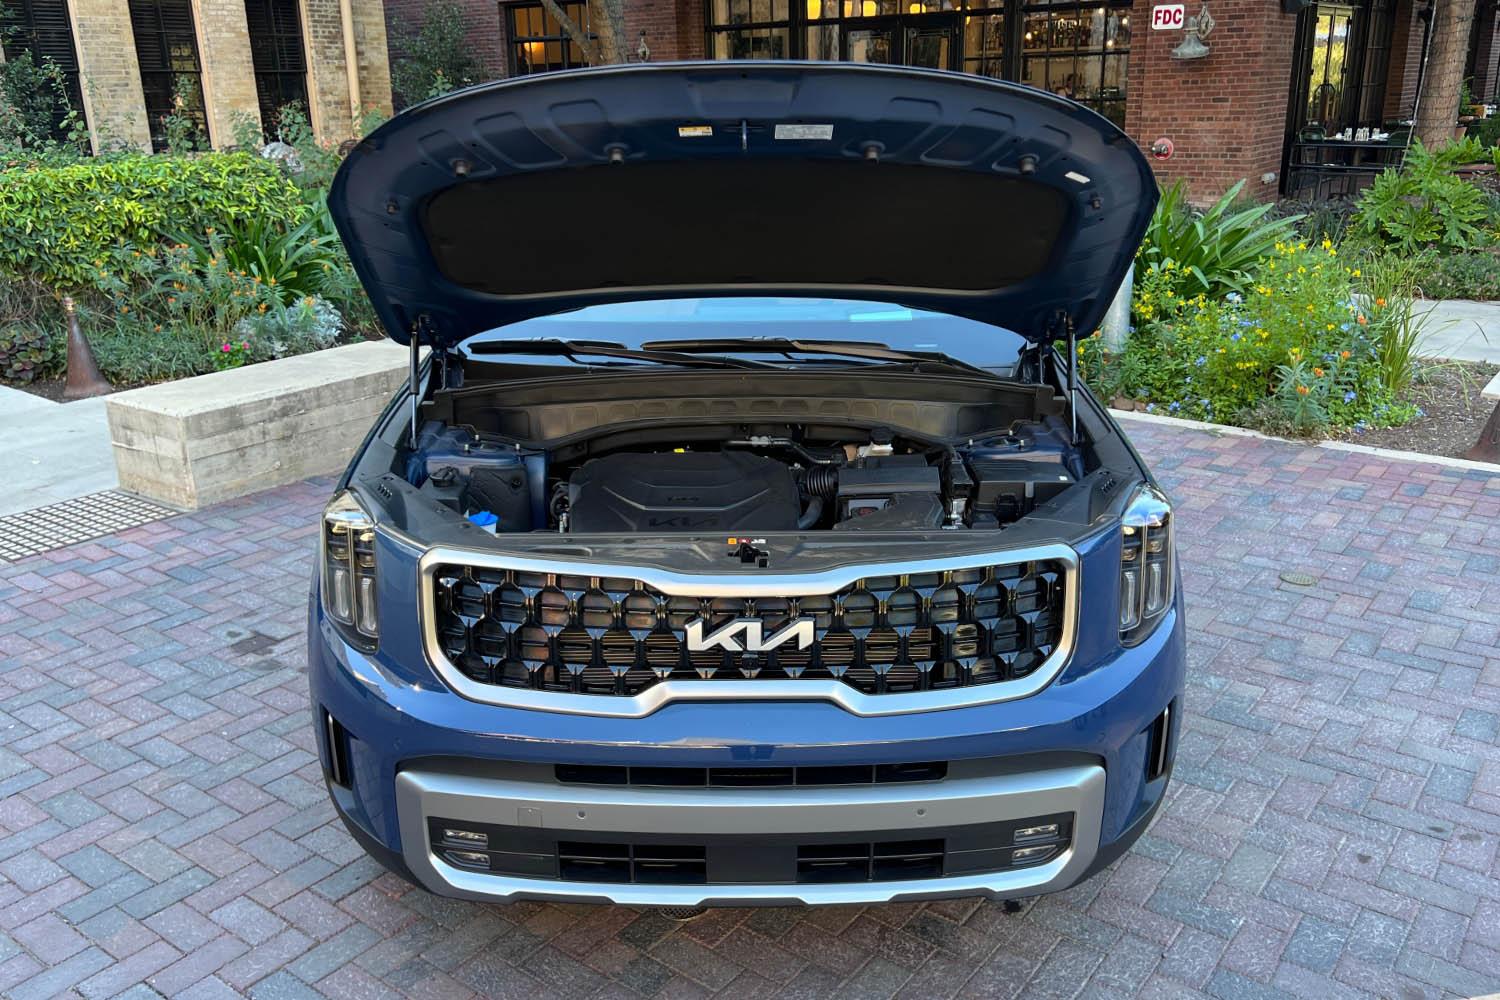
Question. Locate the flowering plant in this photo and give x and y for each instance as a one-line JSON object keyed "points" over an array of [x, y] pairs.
{"points": [[1296, 350], [232, 355]]}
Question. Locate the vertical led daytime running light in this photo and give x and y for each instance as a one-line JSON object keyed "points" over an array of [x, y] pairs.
{"points": [[348, 565]]}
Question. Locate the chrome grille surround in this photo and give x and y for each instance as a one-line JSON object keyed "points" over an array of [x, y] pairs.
{"points": [[595, 611]]}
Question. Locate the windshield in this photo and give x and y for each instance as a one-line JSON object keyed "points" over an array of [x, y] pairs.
{"points": [[899, 327]]}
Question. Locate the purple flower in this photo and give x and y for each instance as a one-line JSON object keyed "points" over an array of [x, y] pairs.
{"points": [[1349, 396]]}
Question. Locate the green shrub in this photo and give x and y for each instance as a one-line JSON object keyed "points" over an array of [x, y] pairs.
{"points": [[25, 353], [292, 262], [61, 221], [1474, 274], [438, 56], [1213, 250], [130, 352], [171, 289], [1424, 204], [1295, 350], [307, 324], [1486, 132], [1390, 290]]}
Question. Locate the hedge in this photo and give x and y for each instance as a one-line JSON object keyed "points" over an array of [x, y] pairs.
{"points": [[60, 219]]}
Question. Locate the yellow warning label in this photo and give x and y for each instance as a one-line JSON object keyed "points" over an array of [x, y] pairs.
{"points": [[694, 131]]}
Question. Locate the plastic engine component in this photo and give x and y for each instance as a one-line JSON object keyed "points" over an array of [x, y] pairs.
{"points": [[875, 482], [714, 492]]}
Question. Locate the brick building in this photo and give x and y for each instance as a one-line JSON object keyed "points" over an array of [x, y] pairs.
{"points": [[127, 61], [1280, 77]]}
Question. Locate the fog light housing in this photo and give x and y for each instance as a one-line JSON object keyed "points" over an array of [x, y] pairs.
{"points": [[468, 859], [1031, 855], [469, 838], [348, 566], [1032, 834], [1147, 576]]}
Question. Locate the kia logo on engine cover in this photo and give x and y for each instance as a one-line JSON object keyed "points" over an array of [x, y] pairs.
{"points": [[750, 638]]}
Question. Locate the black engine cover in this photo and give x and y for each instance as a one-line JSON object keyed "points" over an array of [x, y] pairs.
{"points": [[718, 492]]}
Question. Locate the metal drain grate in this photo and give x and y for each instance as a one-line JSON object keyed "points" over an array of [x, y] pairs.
{"points": [[43, 529]]}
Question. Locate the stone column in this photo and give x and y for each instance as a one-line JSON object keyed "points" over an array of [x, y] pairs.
{"points": [[371, 50], [228, 73], [110, 74]]}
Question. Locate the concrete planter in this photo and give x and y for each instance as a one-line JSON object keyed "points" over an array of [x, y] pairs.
{"points": [[198, 441]]}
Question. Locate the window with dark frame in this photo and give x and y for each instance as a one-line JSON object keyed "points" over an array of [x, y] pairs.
{"points": [[167, 48], [278, 57], [43, 29], [538, 43], [1073, 48]]}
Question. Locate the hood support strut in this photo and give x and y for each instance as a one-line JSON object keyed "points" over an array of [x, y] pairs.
{"points": [[423, 325], [1063, 327]]}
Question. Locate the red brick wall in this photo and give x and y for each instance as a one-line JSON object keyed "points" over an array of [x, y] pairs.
{"points": [[1225, 113], [486, 31], [1406, 61], [1487, 54]]}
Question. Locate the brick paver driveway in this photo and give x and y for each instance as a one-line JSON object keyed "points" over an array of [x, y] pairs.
{"points": [[1332, 830]]}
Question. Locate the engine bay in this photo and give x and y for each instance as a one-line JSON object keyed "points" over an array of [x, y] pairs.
{"points": [[735, 480]]}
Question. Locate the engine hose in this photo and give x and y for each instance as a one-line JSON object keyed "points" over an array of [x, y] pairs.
{"points": [[812, 513], [822, 481]]}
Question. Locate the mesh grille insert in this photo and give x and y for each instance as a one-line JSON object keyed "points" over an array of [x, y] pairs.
{"points": [[881, 635]]}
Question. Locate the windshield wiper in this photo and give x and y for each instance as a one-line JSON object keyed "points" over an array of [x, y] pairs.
{"points": [[866, 349], [575, 350]]}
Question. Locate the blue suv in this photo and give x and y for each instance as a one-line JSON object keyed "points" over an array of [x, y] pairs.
{"points": [[744, 535]]}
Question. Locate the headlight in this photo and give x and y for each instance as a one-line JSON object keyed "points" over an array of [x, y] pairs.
{"points": [[348, 563], [1146, 577]]}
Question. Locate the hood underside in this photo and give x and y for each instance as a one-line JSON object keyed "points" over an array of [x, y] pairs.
{"points": [[935, 190]]}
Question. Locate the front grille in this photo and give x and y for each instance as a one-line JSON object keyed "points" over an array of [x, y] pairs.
{"points": [[619, 636], [779, 859]]}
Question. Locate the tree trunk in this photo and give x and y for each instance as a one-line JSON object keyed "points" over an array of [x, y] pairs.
{"points": [[1448, 50], [606, 45]]}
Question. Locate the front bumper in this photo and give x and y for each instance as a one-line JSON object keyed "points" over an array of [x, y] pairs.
{"points": [[415, 750], [744, 820]]}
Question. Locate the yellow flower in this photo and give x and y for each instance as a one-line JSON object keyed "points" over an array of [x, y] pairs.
{"points": [[1302, 390], [1355, 272], [262, 307], [1380, 303], [1344, 355], [1318, 372], [270, 281]]}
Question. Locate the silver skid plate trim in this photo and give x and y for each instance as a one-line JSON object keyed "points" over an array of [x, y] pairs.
{"points": [[579, 810]]}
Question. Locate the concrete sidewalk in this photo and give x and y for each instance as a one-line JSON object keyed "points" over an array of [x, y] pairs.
{"points": [[1460, 330], [51, 451]]}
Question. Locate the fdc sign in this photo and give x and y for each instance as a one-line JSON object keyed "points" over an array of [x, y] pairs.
{"points": [[1168, 15]]}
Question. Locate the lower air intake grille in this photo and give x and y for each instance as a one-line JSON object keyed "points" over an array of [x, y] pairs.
{"points": [[750, 777], [780, 859], [619, 636]]}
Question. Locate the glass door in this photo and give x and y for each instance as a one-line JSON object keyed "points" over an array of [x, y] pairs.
{"points": [[1330, 59], [930, 45], [873, 41]]}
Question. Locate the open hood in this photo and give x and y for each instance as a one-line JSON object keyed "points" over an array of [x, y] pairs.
{"points": [[935, 190]]}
